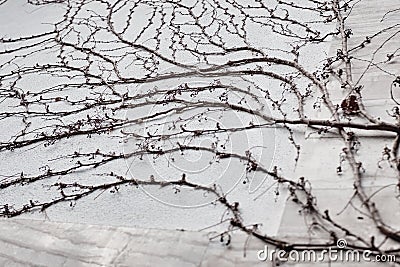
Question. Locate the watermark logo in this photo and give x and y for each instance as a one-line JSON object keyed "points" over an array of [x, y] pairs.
{"points": [[341, 243], [340, 253]]}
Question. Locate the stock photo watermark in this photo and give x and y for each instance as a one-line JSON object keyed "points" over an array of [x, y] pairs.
{"points": [[340, 253]]}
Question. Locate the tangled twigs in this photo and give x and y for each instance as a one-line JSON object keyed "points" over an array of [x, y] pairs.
{"points": [[170, 81], [77, 191]]}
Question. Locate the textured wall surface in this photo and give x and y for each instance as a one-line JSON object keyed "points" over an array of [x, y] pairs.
{"points": [[43, 243]]}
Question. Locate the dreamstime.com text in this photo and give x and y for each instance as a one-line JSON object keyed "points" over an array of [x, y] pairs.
{"points": [[332, 254]]}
